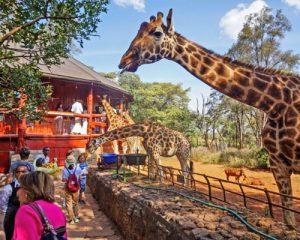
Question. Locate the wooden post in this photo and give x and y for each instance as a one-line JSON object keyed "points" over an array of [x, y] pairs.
{"points": [[22, 124], [90, 109]]}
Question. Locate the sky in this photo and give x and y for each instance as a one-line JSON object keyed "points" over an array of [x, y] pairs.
{"points": [[213, 24]]}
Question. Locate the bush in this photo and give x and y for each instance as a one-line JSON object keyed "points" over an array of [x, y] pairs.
{"points": [[262, 158]]}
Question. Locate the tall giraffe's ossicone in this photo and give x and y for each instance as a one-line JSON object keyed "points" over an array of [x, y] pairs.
{"points": [[158, 141], [275, 94]]}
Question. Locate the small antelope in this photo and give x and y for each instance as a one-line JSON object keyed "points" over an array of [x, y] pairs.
{"points": [[235, 172], [253, 181]]}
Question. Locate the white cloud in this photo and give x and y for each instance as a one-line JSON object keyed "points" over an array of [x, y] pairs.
{"points": [[232, 22], [138, 5], [293, 3]]}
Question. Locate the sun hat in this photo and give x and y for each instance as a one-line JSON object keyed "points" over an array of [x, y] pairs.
{"points": [[70, 160]]}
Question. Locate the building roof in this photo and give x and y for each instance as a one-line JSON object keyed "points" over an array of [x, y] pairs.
{"points": [[73, 70]]}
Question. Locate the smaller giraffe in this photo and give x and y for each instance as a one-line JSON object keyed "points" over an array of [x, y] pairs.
{"points": [[135, 143], [115, 121], [158, 141]]}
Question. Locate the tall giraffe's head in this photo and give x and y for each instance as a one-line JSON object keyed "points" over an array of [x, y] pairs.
{"points": [[152, 43]]}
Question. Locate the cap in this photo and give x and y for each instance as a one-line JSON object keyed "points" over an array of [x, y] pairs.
{"points": [[70, 160], [39, 162]]}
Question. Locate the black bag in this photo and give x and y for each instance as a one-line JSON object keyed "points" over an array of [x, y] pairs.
{"points": [[49, 232]]}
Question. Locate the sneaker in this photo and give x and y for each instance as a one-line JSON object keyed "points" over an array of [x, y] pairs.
{"points": [[76, 220], [71, 222]]}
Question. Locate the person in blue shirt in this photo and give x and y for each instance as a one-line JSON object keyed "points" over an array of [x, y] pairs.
{"points": [[24, 155], [82, 180]]}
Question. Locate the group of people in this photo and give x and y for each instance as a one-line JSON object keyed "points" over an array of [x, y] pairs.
{"points": [[79, 125], [27, 200]]}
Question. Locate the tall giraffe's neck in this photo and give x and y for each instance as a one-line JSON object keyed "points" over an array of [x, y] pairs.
{"points": [[244, 84]]}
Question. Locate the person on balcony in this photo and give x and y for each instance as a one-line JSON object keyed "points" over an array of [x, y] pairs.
{"points": [[77, 108], [59, 119]]}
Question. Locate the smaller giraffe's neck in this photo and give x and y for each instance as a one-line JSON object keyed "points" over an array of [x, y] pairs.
{"points": [[239, 82], [109, 110]]}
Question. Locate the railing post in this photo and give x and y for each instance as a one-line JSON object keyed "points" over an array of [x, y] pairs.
{"points": [[224, 192], [209, 187], [244, 196], [269, 202]]}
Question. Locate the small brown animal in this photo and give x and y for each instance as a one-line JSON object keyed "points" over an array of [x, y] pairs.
{"points": [[253, 181], [235, 172]]}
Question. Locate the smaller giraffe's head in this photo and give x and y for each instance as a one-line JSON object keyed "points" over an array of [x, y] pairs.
{"points": [[152, 43], [92, 145]]}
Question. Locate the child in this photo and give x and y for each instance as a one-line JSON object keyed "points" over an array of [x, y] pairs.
{"points": [[71, 197], [83, 166]]}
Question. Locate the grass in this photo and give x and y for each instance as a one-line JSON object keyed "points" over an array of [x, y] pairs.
{"points": [[231, 157]]}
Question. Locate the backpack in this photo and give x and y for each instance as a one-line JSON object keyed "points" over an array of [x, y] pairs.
{"points": [[49, 232], [72, 182]]}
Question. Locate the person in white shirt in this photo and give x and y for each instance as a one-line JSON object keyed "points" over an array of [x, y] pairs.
{"points": [[77, 108]]}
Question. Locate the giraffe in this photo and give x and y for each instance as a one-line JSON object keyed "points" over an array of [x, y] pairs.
{"points": [[136, 144], [276, 94], [158, 141], [116, 121]]}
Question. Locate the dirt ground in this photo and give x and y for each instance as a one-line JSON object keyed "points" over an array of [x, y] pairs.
{"points": [[265, 176]]}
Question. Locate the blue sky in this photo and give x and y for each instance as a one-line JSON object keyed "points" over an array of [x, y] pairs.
{"points": [[213, 24]]}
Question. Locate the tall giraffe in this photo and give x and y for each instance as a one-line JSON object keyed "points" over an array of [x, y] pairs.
{"points": [[276, 94], [158, 141]]}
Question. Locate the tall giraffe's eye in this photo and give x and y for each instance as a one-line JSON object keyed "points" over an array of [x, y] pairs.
{"points": [[157, 34]]}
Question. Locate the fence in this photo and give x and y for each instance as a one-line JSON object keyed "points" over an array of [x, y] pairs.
{"points": [[217, 189]]}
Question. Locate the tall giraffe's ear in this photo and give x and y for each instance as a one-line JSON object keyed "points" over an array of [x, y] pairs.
{"points": [[160, 16], [152, 19], [170, 27]]}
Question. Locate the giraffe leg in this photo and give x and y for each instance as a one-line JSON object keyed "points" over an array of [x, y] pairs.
{"points": [[115, 146], [184, 160], [283, 180]]}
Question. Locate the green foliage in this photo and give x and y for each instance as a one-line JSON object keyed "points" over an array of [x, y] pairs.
{"points": [[39, 32], [262, 157], [165, 103]]}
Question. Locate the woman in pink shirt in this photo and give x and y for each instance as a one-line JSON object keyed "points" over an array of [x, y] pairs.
{"points": [[37, 189]]}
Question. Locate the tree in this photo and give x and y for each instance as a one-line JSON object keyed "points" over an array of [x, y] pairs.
{"points": [[39, 32], [165, 103], [259, 44]]}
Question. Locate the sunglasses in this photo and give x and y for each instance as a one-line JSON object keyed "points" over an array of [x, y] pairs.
{"points": [[22, 171]]}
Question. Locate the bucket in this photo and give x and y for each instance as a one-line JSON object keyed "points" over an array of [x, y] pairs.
{"points": [[4, 162], [109, 158]]}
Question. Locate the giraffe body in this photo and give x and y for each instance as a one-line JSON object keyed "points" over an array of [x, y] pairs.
{"points": [[276, 94], [158, 141]]}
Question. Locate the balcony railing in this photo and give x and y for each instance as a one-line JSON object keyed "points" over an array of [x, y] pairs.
{"points": [[53, 123]]}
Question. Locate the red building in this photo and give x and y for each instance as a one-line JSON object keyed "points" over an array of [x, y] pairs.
{"points": [[70, 80]]}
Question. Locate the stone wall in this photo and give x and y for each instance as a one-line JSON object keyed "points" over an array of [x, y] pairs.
{"points": [[151, 214]]}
